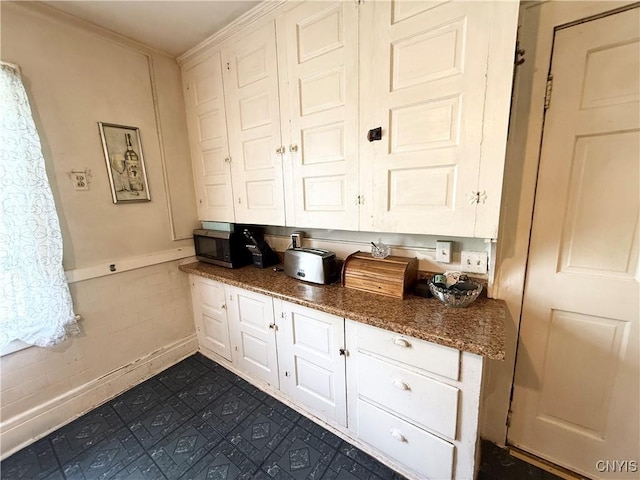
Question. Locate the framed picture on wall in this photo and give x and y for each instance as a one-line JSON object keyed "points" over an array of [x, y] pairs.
{"points": [[125, 163]]}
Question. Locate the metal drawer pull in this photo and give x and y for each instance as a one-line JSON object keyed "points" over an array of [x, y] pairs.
{"points": [[398, 436], [401, 385], [402, 342]]}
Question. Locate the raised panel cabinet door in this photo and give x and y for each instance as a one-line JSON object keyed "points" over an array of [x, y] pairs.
{"points": [[312, 360], [318, 65], [204, 101], [210, 312], [252, 327], [253, 116], [425, 86]]}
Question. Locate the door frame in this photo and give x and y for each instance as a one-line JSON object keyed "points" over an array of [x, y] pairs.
{"points": [[537, 24]]}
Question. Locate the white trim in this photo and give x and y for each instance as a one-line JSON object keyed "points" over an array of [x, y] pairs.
{"points": [[128, 263], [259, 11], [102, 270], [13, 347], [24, 429]]}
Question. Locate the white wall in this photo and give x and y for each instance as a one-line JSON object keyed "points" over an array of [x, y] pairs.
{"points": [[137, 322]]}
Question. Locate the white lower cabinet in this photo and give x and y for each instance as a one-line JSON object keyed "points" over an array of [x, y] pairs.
{"points": [[252, 327], [312, 360], [210, 315], [413, 403], [426, 454]]}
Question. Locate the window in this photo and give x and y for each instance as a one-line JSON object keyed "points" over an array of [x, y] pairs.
{"points": [[35, 303]]}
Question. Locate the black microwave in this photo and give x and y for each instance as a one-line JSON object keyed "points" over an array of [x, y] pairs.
{"points": [[226, 249]]}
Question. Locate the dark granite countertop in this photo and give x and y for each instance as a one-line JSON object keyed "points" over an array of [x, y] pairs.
{"points": [[478, 328]]}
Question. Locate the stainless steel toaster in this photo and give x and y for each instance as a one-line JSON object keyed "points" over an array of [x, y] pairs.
{"points": [[311, 265]]}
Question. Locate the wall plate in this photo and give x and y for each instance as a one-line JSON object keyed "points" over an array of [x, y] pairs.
{"points": [[474, 262], [443, 252]]}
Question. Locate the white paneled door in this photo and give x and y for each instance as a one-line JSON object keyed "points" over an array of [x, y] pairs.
{"points": [[576, 394], [253, 113], [318, 55], [204, 99]]}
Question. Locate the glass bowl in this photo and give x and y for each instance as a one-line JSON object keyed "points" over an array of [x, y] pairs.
{"points": [[456, 298]]}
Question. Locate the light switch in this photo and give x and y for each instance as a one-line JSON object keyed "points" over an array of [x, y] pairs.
{"points": [[474, 262], [443, 252]]}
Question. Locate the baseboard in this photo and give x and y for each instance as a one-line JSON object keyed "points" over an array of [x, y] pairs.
{"points": [[543, 464], [28, 427]]}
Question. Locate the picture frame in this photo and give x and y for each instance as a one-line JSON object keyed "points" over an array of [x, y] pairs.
{"points": [[122, 147]]}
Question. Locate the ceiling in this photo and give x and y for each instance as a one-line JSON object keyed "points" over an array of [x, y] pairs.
{"points": [[171, 26]]}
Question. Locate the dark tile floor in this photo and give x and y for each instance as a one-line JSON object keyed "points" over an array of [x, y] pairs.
{"points": [[497, 464], [195, 420]]}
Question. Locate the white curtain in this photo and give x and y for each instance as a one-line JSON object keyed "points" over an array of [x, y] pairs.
{"points": [[35, 303]]}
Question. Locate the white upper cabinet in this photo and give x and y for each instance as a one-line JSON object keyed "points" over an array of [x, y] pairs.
{"points": [[318, 67], [424, 83], [205, 104], [253, 122], [303, 88]]}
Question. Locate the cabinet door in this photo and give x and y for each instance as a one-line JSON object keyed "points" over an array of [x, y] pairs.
{"points": [[252, 328], [318, 65], [312, 368], [210, 313], [253, 114], [204, 101], [427, 77]]}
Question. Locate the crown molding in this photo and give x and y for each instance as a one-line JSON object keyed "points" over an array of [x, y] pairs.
{"points": [[256, 13], [51, 13]]}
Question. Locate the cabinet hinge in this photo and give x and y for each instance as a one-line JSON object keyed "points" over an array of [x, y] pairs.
{"points": [[283, 314], [519, 56], [476, 198], [547, 92], [287, 374], [228, 66], [509, 418], [360, 200]]}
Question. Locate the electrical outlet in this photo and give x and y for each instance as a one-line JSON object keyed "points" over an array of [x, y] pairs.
{"points": [[443, 252], [474, 262], [80, 181]]}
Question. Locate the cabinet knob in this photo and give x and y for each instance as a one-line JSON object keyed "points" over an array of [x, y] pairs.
{"points": [[395, 433], [293, 148], [224, 306], [273, 326], [401, 385], [343, 352], [280, 150], [402, 342], [227, 159]]}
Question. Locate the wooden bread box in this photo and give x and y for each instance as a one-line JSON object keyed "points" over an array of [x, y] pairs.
{"points": [[391, 276]]}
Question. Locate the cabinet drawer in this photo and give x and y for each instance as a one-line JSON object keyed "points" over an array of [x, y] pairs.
{"points": [[424, 401], [426, 454], [420, 354]]}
